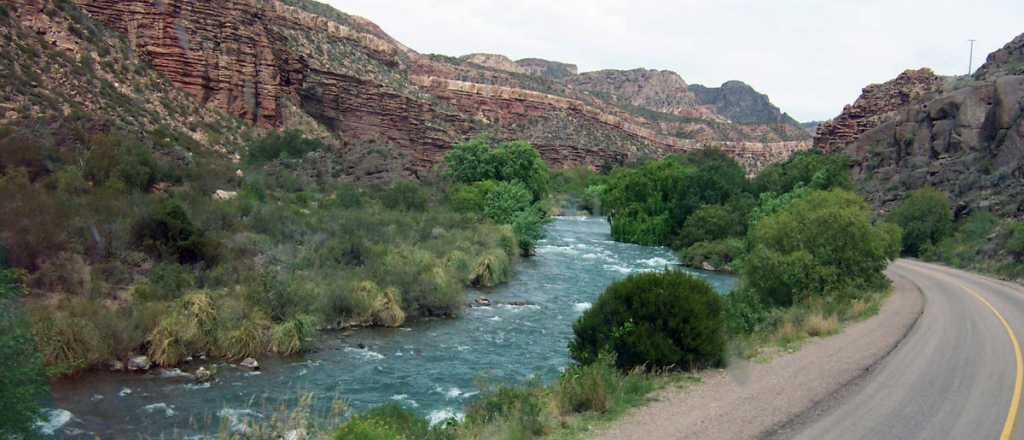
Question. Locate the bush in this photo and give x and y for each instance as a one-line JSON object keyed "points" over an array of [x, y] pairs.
{"points": [[169, 232], [710, 223], [293, 336], [808, 168], [519, 408], [388, 422], [745, 313], [1015, 242], [479, 160], [405, 196], [22, 385], [817, 243], [926, 217], [719, 254], [289, 144], [656, 320]]}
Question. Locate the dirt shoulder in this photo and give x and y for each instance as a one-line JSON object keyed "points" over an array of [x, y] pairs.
{"points": [[750, 399]]}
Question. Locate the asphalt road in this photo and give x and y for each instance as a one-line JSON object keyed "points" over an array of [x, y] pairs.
{"points": [[956, 375]]}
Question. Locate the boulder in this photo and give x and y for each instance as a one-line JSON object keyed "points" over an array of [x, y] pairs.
{"points": [[250, 363], [116, 365], [203, 375], [482, 302], [221, 195], [708, 267], [139, 363]]}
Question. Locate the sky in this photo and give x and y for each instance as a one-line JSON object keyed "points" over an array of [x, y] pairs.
{"points": [[810, 57]]}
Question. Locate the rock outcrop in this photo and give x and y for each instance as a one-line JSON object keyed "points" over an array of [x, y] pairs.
{"points": [[875, 105], [1009, 60], [301, 64], [964, 136], [740, 103]]}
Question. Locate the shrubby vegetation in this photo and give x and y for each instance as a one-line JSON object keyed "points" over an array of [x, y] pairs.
{"points": [[505, 183], [982, 242], [22, 384], [926, 218], [121, 235], [657, 320]]}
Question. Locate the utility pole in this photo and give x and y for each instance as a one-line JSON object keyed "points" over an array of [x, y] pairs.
{"points": [[970, 61]]}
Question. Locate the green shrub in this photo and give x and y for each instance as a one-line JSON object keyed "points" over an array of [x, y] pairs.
{"points": [[719, 254], [479, 160], [169, 232], [23, 384], [583, 388], [388, 422], [188, 329], [289, 144], [520, 409], [113, 156], [1015, 242], [656, 320], [405, 196], [710, 223], [745, 313], [926, 217], [166, 282], [34, 223], [809, 169], [814, 244]]}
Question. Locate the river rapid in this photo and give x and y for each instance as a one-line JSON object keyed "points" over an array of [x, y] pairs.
{"points": [[433, 367]]}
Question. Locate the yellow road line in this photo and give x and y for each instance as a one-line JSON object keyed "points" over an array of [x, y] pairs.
{"points": [[1011, 417]]}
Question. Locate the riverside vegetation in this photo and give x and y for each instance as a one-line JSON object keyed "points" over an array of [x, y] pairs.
{"points": [[123, 245], [808, 255]]}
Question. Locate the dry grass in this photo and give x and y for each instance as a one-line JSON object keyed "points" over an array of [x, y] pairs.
{"points": [[817, 324]]}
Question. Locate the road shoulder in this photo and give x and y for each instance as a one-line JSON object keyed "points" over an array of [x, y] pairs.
{"points": [[751, 400]]}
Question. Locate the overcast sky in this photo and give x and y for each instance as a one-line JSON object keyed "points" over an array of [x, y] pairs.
{"points": [[810, 57]]}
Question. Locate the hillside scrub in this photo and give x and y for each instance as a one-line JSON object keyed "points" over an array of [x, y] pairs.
{"points": [[122, 236], [984, 243]]}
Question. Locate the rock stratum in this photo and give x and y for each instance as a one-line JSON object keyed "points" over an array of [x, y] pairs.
{"points": [[963, 135], [210, 69]]}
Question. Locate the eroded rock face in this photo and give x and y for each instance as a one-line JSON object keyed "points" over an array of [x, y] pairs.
{"points": [[740, 103], [875, 106], [299, 64], [1009, 60]]}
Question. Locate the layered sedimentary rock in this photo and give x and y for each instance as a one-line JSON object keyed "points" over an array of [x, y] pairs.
{"points": [[964, 136], [874, 106], [292, 63]]}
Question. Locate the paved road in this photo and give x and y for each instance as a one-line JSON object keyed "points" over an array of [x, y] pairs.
{"points": [[956, 376]]}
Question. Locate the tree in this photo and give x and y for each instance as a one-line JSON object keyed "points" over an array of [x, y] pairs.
{"points": [[711, 222], [807, 168], [815, 244], [478, 160], [926, 217], [665, 319], [289, 144]]}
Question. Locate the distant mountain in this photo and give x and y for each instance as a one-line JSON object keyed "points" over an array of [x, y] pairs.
{"points": [[811, 126], [211, 71]]}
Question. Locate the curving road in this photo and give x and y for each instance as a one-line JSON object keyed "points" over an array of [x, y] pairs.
{"points": [[957, 375]]}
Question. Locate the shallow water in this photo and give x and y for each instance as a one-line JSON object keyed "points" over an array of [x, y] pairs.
{"points": [[433, 367]]}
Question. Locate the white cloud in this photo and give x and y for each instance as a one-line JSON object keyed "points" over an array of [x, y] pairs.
{"points": [[810, 57]]}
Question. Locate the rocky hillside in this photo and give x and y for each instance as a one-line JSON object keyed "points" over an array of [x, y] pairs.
{"points": [[209, 71], [963, 135]]}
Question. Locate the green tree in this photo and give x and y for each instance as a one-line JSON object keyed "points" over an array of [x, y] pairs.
{"points": [[807, 168], [23, 383], [478, 160], [711, 222], [815, 244], [926, 217], [665, 319]]}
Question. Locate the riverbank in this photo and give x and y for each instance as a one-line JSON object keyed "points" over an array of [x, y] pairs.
{"points": [[750, 399], [433, 367]]}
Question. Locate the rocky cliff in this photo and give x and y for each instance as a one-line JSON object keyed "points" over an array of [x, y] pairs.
{"points": [[964, 136], [297, 63]]}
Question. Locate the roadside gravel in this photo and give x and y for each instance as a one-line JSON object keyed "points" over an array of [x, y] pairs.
{"points": [[749, 400]]}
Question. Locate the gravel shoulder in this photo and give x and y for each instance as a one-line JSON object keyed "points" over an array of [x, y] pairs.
{"points": [[751, 400]]}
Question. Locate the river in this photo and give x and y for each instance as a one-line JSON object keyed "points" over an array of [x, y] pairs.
{"points": [[433, 367]]}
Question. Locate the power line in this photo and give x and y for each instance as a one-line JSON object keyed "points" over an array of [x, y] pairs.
{"points": [[970, 60]]}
